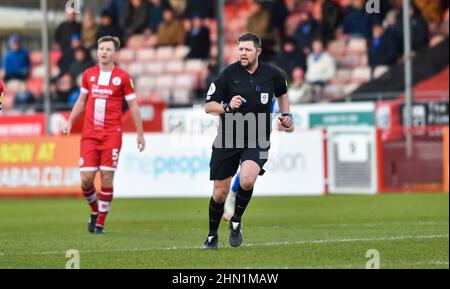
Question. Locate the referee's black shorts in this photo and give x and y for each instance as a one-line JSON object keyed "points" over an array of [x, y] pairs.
{"points": [[225, 161]]}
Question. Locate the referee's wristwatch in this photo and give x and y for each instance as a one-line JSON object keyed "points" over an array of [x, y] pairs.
{"points": [[287, 114], [227, 108]]}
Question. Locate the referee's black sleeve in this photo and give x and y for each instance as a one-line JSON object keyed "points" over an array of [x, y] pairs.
{"points": [[218, 89], [280, 85]]}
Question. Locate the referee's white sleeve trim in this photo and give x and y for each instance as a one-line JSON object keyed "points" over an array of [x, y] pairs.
{"points": [[84, 90], [130, 96]]}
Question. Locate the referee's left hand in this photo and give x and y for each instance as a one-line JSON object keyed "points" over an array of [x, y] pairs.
{"points": [[286, 121]]}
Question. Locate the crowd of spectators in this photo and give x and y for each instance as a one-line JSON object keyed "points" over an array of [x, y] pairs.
{"points": [[295, 36]]}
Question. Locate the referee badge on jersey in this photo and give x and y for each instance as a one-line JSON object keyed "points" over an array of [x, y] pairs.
{"points": [[117, 81], [211, 90], [264, 98]]}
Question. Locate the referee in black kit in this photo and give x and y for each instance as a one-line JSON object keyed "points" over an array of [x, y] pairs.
{"points": [[242, 95]]}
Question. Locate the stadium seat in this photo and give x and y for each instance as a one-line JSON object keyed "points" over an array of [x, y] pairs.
{"points": [[184, 81], [39, 71], [145, 55], [333, 91], [342, 76], [36, 86], [154, 68], [136, 69], [350, 88], [337, 48], [174, 66], [181, 52], [380, 70], [36, 58], [126, 55], [361, 74], [55, 56], [357, 46], [164, 82], [194, 66], [164, 53], [181, 96], [145, 83]]}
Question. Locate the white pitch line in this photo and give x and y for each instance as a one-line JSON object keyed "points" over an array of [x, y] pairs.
{"points": [[267, 244]]}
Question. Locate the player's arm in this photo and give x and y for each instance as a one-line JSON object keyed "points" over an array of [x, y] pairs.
{"points": [[136, 115], [77, 110], [285, 118]]}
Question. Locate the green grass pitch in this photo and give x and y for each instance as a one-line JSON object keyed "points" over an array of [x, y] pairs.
{"points": [[408, 230]]}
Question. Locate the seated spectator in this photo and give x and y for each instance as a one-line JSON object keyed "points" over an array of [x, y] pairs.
{"points": [[135, 19], [64, 32], [382, 48], [331, 19], [82, 62], [170, 31], [89, 30], [178, 7], [23, 99], [299, 91], [307, 30], [419, 28], [156, 14], [198, 39], [64, 91], [321, 65], [291, 57], [357, 22], [259, 20], [392, 30], [16, 62], [68, 55], [116, 8], [108, 26]]}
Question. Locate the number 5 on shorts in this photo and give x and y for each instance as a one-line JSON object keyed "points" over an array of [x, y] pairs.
{"points": [[115, 154]]}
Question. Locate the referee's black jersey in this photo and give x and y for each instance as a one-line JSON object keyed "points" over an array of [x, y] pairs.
{"points": [[258, 90]]}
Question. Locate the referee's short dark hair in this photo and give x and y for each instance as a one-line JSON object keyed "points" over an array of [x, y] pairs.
{"points": [[251, 37]]}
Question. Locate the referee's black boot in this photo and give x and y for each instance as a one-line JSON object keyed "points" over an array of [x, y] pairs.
{"points": [[211, 243], [235, 233]]}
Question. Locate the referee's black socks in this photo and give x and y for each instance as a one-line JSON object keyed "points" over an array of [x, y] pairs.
{"points": [[242, 199], [215, 215]]}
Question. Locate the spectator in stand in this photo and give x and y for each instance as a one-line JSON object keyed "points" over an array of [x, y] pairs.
{"points": [[357, 22], [299, 91], [68, 55], [307, 30], [205, 8], [156, 14], [331, 19], [321, 67], [64, 32], [178, 7], [419, 28], [392, 30], [107, 26], [259, 20], [278, 15], [431, 10], [291, 57], [23, 100], [170, 31], [135, 19], [116, 8], [89, 30], [382, 48], [16, 62], [198, 39], [82, 62], [64, 91]]}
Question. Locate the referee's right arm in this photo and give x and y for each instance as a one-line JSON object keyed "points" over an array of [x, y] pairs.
{"points": [[216, 95]]}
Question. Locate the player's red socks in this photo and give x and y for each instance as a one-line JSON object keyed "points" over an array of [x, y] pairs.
{"points": [[91, 197], [104, 203]]}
